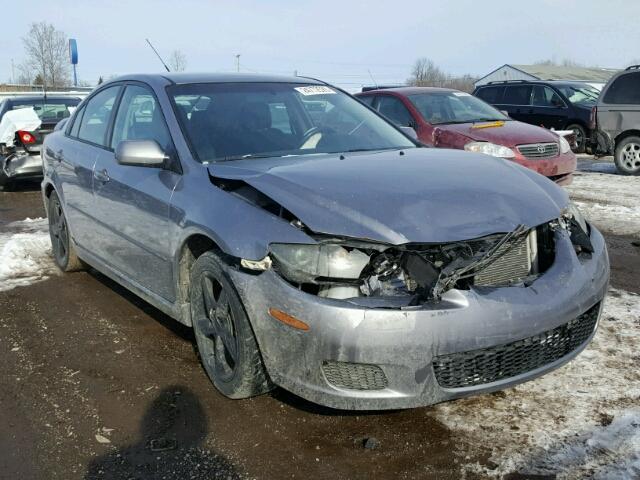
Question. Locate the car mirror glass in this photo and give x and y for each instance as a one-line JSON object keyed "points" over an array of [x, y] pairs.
{"points": [[410, 132]]}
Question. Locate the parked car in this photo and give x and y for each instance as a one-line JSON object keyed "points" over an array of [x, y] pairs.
{"points": [[20, 155], [447, 118], [329, 254], [617, 121], [561, 105]]}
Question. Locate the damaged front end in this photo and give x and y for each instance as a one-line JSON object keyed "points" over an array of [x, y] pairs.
{"points": [[400, 276]]}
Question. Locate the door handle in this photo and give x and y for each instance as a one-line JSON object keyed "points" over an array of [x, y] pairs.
{"points": [[102, 175]]}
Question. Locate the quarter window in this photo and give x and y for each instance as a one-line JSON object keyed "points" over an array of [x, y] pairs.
{"points": [[394, 110], [76, 123], [367, 100], [139, 118], [94, 122], [625, 90], [490, 94], [517, 95]]}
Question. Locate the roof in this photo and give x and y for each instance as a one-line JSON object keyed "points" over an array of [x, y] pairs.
{"points": [[554, 72], [412, 90], [184, 78], [37, 98]]}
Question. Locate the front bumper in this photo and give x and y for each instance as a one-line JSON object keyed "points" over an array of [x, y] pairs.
{"points": [[404, 343], [21, 165], [559, 168]]}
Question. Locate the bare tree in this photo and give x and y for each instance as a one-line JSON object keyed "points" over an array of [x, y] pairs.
{"points": [[47, 55], [25, 74], [177, 61], [566, 62], [425, 73]]}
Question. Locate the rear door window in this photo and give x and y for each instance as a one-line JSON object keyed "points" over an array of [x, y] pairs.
{"points": [[625, 90], [368, 100], [517, 95], [97, 113], [491, 95], [394, 110]]}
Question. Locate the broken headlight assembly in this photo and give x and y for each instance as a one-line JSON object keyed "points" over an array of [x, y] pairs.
{"points": [[411, 274], [576, 224], [564, 145], [490, 149]]}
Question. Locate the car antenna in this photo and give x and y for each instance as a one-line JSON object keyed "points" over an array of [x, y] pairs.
{"points": [[159, 57], [372, 79]]}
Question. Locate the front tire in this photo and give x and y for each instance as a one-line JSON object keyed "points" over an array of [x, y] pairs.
{"points": [[581, 137], [627, 156], [64, 253], [227, 346]]}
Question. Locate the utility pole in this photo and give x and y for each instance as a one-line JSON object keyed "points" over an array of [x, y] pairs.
{"points": [[238, 63], [13, 73]]}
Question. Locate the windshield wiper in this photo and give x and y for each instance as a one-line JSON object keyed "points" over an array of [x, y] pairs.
{"points": [[248, 156]]}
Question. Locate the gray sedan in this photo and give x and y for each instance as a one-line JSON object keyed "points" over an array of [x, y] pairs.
{"points": [[313, 245]]}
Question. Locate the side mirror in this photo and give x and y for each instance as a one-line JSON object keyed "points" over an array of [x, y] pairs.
{"points": [[140, 153], [410, 132]]}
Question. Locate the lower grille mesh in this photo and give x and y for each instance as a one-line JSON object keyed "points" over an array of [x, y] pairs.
{"points": [[477, 367], [354, 376]]}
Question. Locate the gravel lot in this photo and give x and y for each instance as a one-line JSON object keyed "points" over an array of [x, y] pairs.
{"points": [[95, 383]]}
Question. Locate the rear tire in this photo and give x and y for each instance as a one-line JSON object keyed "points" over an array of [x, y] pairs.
{"points": [[64, 253], [228, 349], [581, 137], [627, 156]]}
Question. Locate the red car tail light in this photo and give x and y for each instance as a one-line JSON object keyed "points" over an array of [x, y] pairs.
{"points": [[26, 137], [594, 118]]}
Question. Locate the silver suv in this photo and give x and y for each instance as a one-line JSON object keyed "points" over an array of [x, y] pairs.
{"points": [[617, 121]]}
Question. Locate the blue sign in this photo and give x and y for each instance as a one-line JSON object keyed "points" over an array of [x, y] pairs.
{"points": [[73, 51]]}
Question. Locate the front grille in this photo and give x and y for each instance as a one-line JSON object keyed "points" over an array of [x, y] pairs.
{"points": [[477, 367], [517, 263], [539, 150], [354, 376]]}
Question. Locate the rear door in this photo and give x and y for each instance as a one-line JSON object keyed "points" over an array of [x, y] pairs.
{"points": [[132, 202], [74, 157], [549, 110], [517, 102]]}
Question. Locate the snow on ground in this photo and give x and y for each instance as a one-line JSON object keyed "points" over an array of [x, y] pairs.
{"points": [[25, 253], [581, 421], [610, 200]]}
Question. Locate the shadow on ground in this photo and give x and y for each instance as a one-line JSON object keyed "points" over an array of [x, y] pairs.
{"points": [[170, 444]]}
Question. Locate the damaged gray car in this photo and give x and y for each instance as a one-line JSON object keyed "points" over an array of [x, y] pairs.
{"points": [[315, 246]]}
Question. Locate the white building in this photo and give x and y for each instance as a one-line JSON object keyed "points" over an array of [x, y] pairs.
{"points": [[595, 76]]}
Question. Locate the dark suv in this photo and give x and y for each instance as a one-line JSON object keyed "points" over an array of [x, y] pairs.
{"points": [[617, 121], [561, 105]]}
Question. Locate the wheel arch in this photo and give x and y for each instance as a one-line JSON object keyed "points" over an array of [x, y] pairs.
{"points": [[191, 248], [626, 134]]}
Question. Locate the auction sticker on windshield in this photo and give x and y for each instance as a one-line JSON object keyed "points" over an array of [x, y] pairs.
{"points": [[314, 90]]}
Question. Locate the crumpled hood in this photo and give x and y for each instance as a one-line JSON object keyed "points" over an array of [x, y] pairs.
{"points": [[510, 134], [425, 195]]}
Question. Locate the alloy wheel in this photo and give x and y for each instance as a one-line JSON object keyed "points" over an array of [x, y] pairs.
{"points": [[630, 156], [59, 233], [216, 323]]}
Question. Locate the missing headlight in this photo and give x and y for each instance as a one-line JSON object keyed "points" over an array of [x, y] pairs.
{"points": [[416, 273]]}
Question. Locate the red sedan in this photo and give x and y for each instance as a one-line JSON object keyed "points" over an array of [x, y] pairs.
{"points": [[447, 118]]}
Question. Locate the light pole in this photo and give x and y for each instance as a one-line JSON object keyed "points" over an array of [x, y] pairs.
{"points": [[238, 63]]}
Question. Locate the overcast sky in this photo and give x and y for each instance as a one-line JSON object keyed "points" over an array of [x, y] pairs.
{"points": [[338, 41]]}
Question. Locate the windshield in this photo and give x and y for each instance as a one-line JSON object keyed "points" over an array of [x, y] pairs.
{"points": [[579, 93], [52, 110], [229, 121], [439, 108]]}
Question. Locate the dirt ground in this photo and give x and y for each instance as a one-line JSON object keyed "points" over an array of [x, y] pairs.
{"points": [[95, 383]]}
